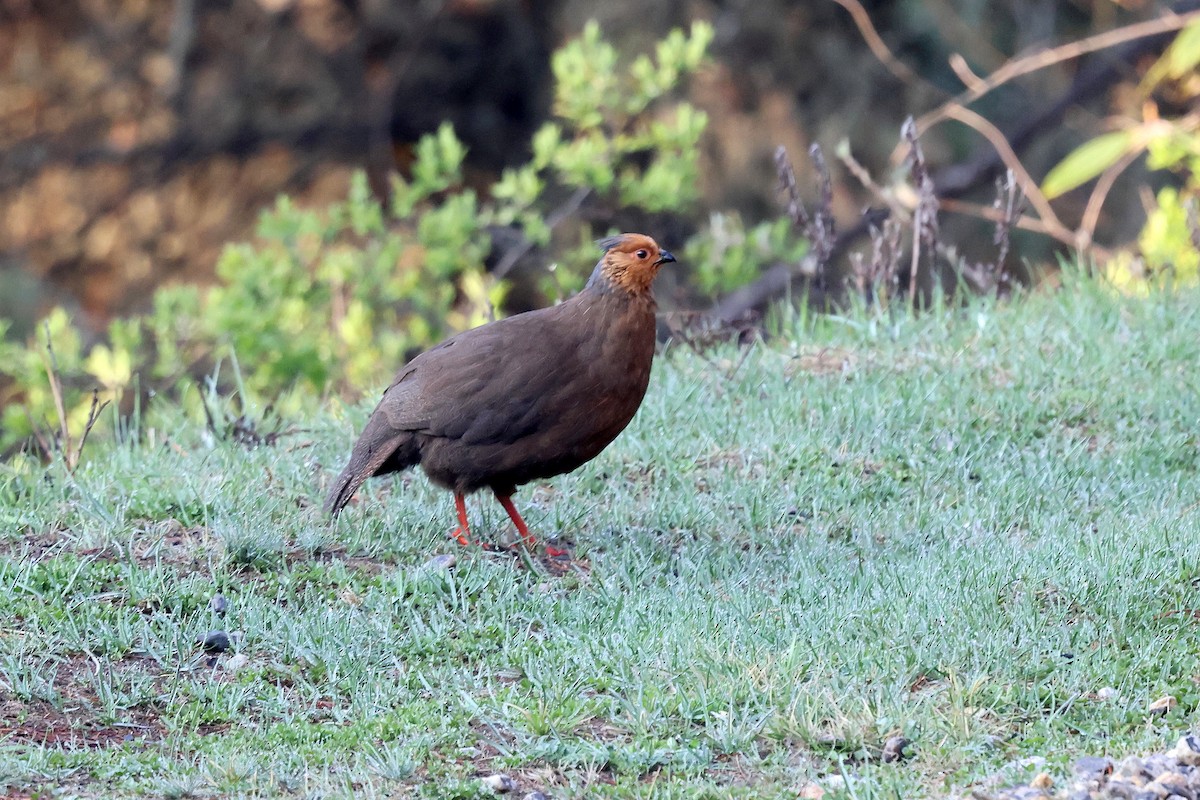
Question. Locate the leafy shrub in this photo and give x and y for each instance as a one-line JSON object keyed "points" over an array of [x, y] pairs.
{"points": [[1169, 243], [335, 299]]}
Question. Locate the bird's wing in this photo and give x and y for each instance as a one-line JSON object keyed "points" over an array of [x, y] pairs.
{"points": [[488, 384]]}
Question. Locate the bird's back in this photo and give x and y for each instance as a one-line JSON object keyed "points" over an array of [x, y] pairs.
{"points": [[526, 397]]}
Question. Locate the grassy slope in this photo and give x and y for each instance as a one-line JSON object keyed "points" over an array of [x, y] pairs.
{"points": [[958, 528]]}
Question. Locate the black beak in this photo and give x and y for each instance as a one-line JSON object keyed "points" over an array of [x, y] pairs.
{"points": [[665, 257]]}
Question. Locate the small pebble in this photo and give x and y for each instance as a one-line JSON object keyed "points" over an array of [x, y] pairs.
{"points": [[835, 783], [215, 642], [440, 563], [1107, 693], [1093, 766], [536, 796], [1187, 750], [1158, 764], [1042, 781], [1177, 782], [812, 791], [1163, 704], [1131, 767], [237, 662], [219, 604], [500, 784], [893, 749], [1121, 790]]}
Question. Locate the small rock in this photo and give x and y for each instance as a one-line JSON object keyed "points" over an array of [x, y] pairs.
{"points": [[215, 642], [1107, 693], [893, 749], [835, 783], [1042, 781], [812, 791], [237, 662], [1121, 790], [1158, 764], [1186, 750], [1174, 782], [536, 796], [219, 604], [500, 784], [1092, 766], [1163, 704], [1156, 790], [1131, 767], [440, 563]]}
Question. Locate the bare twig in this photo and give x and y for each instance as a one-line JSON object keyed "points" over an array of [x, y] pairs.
{"points": [[963, 70], [863, 21], [1104, 184], [1009, 203], [94, 412], [44, 444], [1040, 60], [825, 234], [1028, 185], [71, 452], [56, 392], [925, 223], [787, 184], [561, 213], [819, 227], [992, 276], [860, 172], [885, 256]]}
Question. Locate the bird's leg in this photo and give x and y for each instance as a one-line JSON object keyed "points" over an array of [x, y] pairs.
{"points": [[461, 534], [522, 528]]}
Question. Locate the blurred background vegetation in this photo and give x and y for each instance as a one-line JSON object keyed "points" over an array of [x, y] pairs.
{"points": [[291, 196]]}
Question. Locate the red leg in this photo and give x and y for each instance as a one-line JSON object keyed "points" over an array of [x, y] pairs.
{"points": [[461, 534], [522, 528]]}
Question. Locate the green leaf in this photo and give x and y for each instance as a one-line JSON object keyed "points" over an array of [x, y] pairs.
{"points": [[1179, 61], [1087, 161]]}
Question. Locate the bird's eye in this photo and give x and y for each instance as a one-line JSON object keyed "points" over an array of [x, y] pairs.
{"points": [[641, 254]]}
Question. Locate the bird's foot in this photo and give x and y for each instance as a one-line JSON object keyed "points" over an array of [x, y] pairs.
{"points": [[464, 540], [553, 551]]}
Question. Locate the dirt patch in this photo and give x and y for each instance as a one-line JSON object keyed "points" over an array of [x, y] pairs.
{"points": [[36, 546], [77, 721], [40, 724]]}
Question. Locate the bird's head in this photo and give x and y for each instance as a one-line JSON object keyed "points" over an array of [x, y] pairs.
{"points": [[630, 262]]}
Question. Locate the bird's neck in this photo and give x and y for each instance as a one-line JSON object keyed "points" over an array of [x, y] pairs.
{"points": [[607, 279]]}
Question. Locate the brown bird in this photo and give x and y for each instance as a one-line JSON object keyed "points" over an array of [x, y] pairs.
{"points": [[522, 398]]}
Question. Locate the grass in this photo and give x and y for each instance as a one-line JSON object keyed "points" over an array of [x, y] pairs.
{"points": [[958, 528]]}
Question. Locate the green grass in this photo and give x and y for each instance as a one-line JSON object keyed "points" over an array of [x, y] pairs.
{"points": [[957, 528]]}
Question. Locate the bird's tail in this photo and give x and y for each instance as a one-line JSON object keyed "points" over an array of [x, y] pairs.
{"points": [[378, 450]]}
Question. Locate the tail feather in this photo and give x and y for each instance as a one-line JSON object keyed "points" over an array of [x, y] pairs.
{"points": [[375, 448]]}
